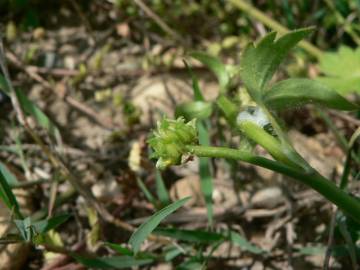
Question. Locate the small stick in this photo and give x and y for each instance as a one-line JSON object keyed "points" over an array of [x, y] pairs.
{"points": [[158, 20]]}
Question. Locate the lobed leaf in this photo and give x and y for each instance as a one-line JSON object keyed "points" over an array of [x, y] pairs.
{"points": [[148, 226], [296, 92], [341, 70], [259, 63]]}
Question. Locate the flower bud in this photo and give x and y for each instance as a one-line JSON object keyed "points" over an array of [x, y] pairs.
{"points": [[170, 139]]}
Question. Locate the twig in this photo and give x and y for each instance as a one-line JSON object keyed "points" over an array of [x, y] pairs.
{"points": [[346, 117], [29, 184], [158, 20], [53, 71], [330, 239]]}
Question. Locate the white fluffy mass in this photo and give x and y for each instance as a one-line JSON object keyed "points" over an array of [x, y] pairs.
{"points": [[253, 114]]}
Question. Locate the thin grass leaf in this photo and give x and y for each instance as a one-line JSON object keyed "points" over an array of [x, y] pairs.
{"points": [[10, 178], [239, 240], [161, 190], [146, 192], [349, 241], [191, 264], [41, 118], [4, 87], [171, 253], [145, 229], [193, 236], [198, 96], [116, 262], [346, 172], [119, 248], [312, 250], [46, 225], [8, 196], [25, 228], [206, 180], [215, 66], [32, 109]]}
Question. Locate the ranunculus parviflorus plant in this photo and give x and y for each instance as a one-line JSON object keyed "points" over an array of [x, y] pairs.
{"points": [[175, 140]]}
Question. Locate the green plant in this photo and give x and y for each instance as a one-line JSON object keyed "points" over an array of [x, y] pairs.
{"points": [[258, 65]]}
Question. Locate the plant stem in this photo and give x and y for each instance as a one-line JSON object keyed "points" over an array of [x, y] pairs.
{"points": [[262, 17], [328, 189]]}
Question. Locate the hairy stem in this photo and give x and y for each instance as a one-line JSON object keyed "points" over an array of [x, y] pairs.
{"points": [[328, 189]]}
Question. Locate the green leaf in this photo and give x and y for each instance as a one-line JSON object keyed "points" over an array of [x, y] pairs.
{"points": [[115, 262], [171, 253], [259, 63], [161, 190], [10, 178], [198, 96], [206, 181], [193, 236], [146, 192], [4, 87], [195, 109], [295, 92], [239, 240], [25, 228], [191, 264], [7, 196], [148, 226], [41, 118], [312, 250], [119, 248], [32, 109], [341, 70], [46, 225], [215, 66]]}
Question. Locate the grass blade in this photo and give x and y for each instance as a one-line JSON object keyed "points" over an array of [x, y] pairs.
{"points": [[146, 228], [46, 225], [205, 172], [10, 178], [215, 66], [115, 262], [193, 236], [8, 196], [239, 240], [146, 192], [161, 190], [198, 96]]}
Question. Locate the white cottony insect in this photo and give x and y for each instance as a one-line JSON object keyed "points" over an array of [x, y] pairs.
{"points": [[253, 114]]}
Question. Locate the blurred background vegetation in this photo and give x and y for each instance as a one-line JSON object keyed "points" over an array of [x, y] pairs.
{"points": [[104, 71]]}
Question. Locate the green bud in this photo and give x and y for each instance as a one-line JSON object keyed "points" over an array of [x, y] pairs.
{"points": [[170, 139]]}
